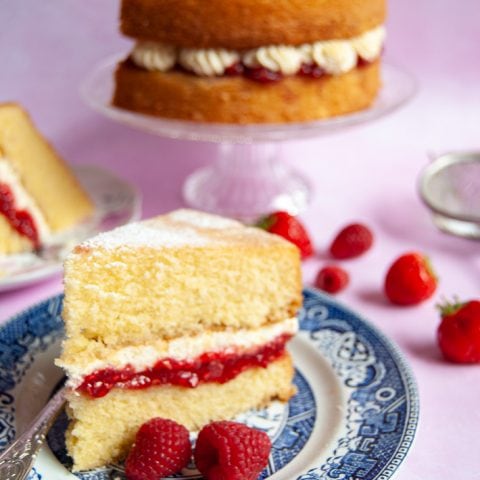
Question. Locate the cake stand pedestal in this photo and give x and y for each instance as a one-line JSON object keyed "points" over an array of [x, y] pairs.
{"points": [[247, 178]]}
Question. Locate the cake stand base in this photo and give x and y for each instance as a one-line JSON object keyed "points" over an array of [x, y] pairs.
{"points": [[247, 181]]}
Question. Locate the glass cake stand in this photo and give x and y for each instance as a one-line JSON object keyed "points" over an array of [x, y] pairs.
{"points": [[247, 178]]}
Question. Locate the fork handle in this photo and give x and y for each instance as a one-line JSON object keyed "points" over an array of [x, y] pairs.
{"points": [[17, 460]]}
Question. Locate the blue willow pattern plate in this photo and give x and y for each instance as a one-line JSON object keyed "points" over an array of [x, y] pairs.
{"points": [[354, 416]]}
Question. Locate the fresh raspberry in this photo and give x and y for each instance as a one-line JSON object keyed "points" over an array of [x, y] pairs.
{"points": [[162, 447], [332, 279], [410, 280], [231, 451], [290, 228], [351, 241], [459, 332]]}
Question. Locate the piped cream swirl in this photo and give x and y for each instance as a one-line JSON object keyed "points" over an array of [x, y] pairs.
{"points": [[335, 57], [277, 58], [370, 44], [154, 56], [207, 62]]}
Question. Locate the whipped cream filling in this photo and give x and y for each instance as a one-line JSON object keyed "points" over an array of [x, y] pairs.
{"points": [[23, 201], [182, 348], [207, 62], [277, 58], [335, 57], [154, 56]]}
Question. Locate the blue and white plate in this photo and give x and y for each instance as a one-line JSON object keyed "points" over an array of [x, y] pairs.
{"points": [[354, 416]]}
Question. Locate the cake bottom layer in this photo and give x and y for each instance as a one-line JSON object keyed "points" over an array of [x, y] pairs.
{"points": [[102, 430], [239, 100]]}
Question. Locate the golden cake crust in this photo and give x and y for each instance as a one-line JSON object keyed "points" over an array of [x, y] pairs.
{"points": [[239, 100], [242, 24]]}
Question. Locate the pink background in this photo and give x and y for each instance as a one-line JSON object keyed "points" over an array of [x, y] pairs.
{"points": [[370, 173]]}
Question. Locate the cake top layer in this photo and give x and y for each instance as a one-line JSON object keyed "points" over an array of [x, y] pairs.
{"points": [[246, 24], [179, 229]]}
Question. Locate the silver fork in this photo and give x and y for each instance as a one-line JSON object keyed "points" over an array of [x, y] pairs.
{"points": [[17, 460]]}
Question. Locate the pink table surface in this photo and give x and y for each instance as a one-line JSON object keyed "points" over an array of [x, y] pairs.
{"points": [[368, 174]]}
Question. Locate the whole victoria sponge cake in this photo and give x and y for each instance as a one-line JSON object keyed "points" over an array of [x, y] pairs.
{"points": [[250, 61], [39, 194], [184, 316]]}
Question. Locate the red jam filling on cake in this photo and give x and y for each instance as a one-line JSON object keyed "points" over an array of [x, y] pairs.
{"points": [[311, 70], [218, 367], [20, 220], [264, 75], [259, 74]]}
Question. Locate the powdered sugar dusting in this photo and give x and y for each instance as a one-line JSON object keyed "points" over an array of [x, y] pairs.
{"points": [[152, 233], [178, 229]]}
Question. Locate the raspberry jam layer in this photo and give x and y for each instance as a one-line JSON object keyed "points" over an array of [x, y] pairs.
{"points": [[264, 75], [217, 367], [20, 220]]}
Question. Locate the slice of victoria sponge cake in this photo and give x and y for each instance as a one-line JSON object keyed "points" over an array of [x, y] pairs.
{"points": [[39, 194], [185, 316]]}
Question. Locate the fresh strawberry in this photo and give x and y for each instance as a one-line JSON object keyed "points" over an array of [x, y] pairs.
{"points": [[332, 279], [162, 447], [231, 451], [290, 228], [459, 332], [410, 280], [351, 241]]}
